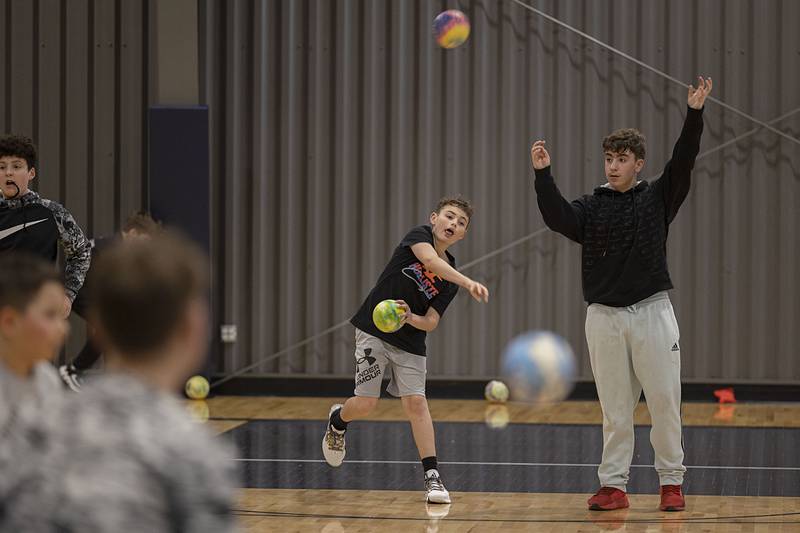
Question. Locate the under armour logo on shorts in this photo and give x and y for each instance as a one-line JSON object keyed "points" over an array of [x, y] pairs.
{"points": [[368, 358]]}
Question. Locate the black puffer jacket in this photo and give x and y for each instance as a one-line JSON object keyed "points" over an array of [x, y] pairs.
{"points": [[624, 235], [39, 226]]}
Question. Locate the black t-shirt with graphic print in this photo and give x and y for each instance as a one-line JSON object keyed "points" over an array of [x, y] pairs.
{"points": [[405, 278]]}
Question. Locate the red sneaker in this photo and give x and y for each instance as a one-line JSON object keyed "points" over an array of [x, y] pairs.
{"points": [[608, 499], [672, 498]]}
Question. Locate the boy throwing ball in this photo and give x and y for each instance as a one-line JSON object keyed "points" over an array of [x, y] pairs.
{"points": [[421, 276]]}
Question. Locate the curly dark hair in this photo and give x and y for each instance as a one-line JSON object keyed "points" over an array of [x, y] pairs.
{"points": [[18, 146], [625, 139], [457, 201]]}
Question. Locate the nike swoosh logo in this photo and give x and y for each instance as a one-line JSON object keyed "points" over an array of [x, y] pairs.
{"points": [[13, 229]]}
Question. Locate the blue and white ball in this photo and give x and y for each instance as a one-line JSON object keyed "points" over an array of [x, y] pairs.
{"points": [[539, 367]]}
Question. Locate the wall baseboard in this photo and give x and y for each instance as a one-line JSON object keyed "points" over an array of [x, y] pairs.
{"points": [[473, 389]]}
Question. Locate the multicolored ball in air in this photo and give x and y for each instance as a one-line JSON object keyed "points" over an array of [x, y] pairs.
{"points": [[451, 28]]}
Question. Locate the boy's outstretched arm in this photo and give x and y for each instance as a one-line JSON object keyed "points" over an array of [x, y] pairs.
{"points": [[675, 182], [428, 257], [559, 215]]}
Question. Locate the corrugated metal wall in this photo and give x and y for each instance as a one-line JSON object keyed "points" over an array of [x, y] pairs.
{"points": [[337, 125], [74, 77]]}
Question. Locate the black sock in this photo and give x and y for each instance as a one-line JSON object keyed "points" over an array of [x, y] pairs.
{"points": [[337, 422], [429, 463]]}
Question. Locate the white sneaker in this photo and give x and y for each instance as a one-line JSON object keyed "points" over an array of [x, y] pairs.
{"points": [[333, 441], [436, 493]]}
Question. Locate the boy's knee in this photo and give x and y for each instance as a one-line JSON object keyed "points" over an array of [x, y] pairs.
{"points": [[367, 404], [415, 405]]}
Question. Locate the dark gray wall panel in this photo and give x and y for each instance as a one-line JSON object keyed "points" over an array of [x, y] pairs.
{"points": [[337, 125]]}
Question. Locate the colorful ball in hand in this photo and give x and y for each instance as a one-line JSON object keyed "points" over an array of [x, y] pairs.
{"points": [[451, 28], [388, 316], [539, 367], [496, 392]]}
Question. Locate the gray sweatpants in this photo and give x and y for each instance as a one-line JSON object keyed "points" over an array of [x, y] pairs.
{"points": [[632, 349]]}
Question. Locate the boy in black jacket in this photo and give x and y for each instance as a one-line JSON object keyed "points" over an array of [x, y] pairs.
{"points": [[30, 223], [631, 329]]}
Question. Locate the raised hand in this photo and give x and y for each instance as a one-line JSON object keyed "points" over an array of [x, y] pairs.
{"points": [[539, 156], [478, 291], [697, 97]]}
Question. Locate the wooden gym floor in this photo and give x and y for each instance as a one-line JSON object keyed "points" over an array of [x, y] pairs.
{"points": [[508, 468]]}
